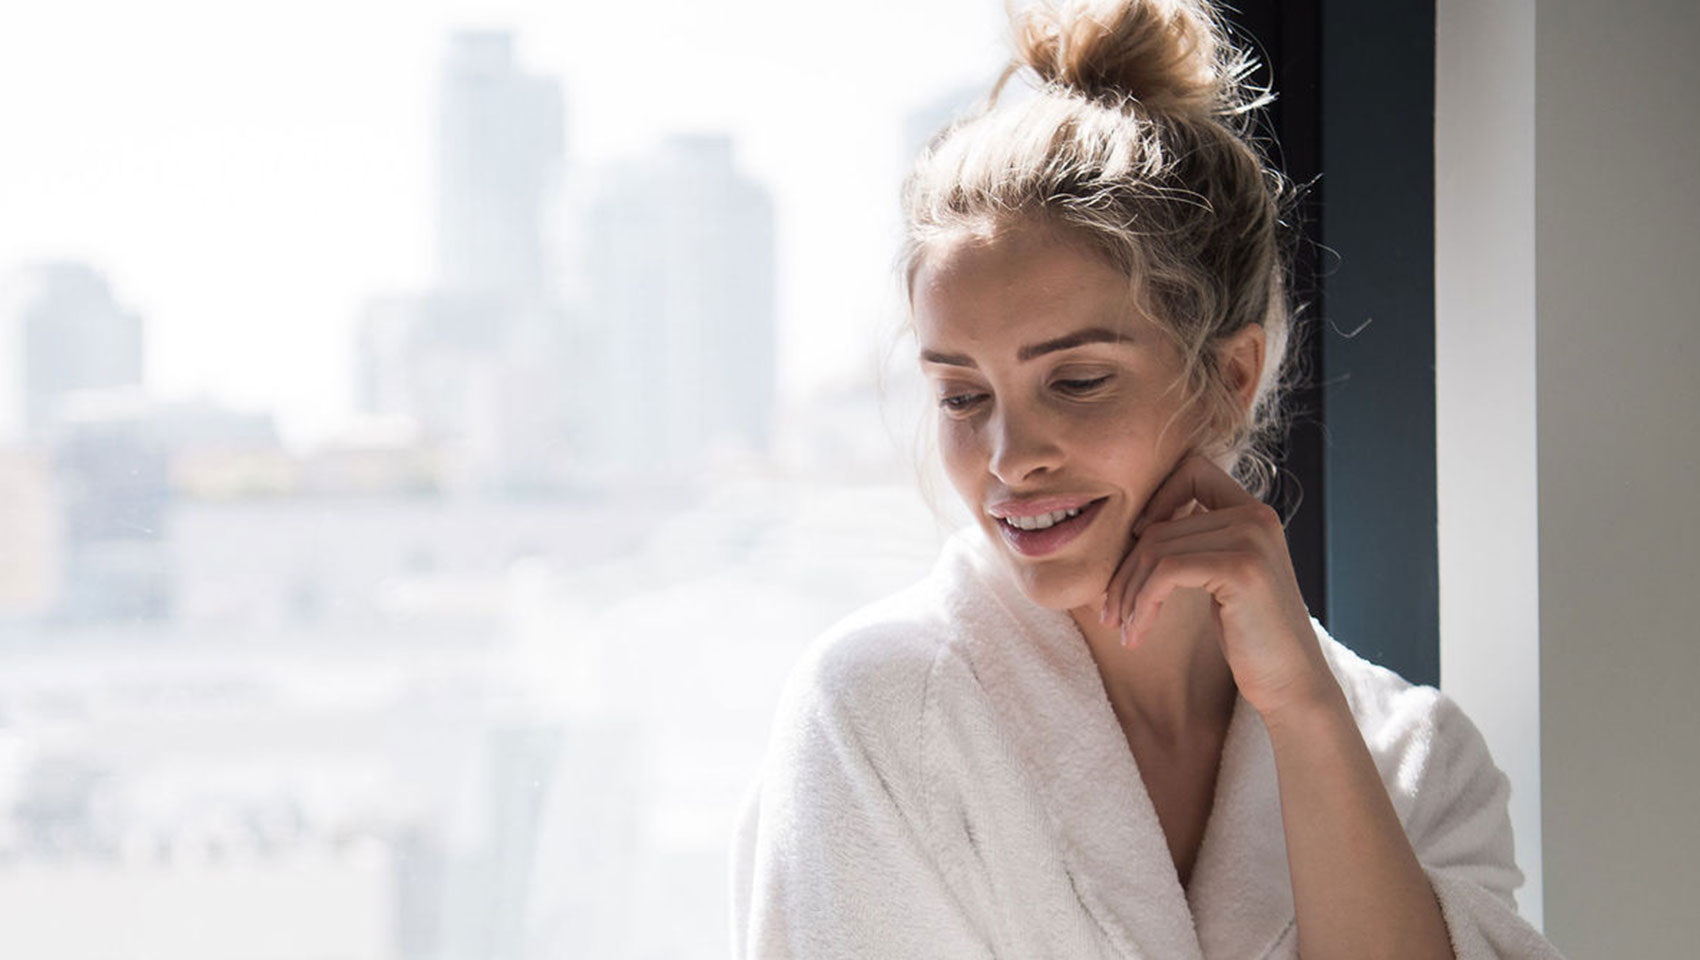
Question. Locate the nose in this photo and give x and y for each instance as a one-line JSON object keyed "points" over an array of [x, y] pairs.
{"points": [[1022, 447]]}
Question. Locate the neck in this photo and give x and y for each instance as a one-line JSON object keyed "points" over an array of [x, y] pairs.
{"points": [[1176, 683]]}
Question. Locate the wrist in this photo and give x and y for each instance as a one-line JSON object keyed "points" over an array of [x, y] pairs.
{"points": [[1311, 713]]}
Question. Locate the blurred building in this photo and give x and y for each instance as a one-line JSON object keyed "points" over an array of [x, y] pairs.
{"points": [[32, 535], [587, 834], [489, 384], [113, 470], [682, 316], [484, 362], [665, 366], [379, 565], [499, 150], [61, 330], [114, 454]]}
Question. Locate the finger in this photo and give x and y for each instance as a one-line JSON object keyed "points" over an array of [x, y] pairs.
{"points": [[1149, 554], [1124, 569], [1132, 640], [1117, 601], [1206, 570], [1257, 523], [1194, 478], [1118, 583], [1164, 530], [1138, 568], [1187, 509]]}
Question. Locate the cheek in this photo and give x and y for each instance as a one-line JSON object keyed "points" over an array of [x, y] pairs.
{"points": [[1114, 441], [1137, 433], [958, 446]]}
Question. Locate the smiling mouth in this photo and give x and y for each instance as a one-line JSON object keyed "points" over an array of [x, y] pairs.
{"points": [[1058, 529]]}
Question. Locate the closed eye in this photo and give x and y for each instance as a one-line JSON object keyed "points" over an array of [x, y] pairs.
{"points": [[963, 402], [1082, 386], [958, 403]]}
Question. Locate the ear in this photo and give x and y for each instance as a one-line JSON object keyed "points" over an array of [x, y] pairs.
{"points": [[1240, 357]]}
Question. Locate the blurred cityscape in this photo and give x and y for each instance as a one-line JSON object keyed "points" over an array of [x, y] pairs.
{"points": [[487, 676]]}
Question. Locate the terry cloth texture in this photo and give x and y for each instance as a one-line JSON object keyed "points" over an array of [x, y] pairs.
{"points": [[946, 778]]}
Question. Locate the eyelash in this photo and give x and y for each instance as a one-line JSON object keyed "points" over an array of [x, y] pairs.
{"points": [[961, 402]]}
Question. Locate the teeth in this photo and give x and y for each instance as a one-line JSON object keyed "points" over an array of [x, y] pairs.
{"points": [[1041, 521]]}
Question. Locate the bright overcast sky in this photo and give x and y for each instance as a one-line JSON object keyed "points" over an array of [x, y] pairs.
{"points": [[248, 175]]}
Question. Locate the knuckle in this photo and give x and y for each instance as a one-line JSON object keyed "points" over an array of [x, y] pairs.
{"points": [[1165, 566], [1246, 564]]}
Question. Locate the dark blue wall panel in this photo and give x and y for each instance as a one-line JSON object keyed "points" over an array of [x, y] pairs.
{"points": [[1378, 332]]}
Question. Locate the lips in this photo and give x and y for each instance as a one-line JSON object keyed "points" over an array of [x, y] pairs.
{"points": [[1035, 507], [1036, 543]]}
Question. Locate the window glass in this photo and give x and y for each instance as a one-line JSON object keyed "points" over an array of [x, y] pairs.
{"points": [[429, 432]]}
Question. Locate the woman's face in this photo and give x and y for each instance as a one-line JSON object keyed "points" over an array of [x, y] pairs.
{"points": [[1053, 395]]}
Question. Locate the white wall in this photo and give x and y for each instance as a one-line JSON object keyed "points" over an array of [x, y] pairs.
{"points": [[1485, 394], [1568, 398], [1617, 219]]}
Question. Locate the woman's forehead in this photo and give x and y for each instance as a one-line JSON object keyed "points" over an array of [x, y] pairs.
{"points": [[1027, 285]]}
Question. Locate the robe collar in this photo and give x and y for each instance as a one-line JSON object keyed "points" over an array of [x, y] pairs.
{"points": [[1050, 701]]}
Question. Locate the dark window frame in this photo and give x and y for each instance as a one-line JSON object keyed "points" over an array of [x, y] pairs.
{"points": [[1354, 124]]}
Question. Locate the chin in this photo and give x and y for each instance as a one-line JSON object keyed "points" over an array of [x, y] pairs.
{"points": [[1078, 586]]}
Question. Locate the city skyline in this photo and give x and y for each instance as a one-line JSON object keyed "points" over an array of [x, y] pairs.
{"points": [[405, 681], [241, 308]]}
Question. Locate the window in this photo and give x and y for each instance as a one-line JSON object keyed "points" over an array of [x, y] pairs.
{"points": [[429, 441]]}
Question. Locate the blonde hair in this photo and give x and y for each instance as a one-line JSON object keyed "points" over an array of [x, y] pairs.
{"points": [[1138, 143]]}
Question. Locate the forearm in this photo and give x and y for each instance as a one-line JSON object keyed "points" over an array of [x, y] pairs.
{"points": [[1358, 889]]}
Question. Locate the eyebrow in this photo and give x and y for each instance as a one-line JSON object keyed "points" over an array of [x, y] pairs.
{"points": [[1068, 342]]}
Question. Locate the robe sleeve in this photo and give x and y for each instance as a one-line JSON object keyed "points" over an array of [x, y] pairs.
{"points": [[1461, 833], [831, 858]]}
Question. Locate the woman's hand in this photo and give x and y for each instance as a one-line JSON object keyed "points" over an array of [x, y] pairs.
{"points": [[1224, 540]]}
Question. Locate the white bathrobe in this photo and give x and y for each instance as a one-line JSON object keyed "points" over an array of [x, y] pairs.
{"points": [[946, 778]]}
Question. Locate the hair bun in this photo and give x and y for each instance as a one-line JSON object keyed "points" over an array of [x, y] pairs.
{"points": [[1170, 55]]}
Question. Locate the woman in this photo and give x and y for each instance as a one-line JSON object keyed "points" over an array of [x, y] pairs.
{"points": [[1106, 725]]}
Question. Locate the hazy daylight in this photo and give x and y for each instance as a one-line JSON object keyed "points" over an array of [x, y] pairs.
{"points": [[431, 430]]}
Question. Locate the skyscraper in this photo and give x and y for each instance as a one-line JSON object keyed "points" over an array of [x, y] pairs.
{"points": [[499, 150], [488, 383], [682, 309], [475, 361], [62, 331]]}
